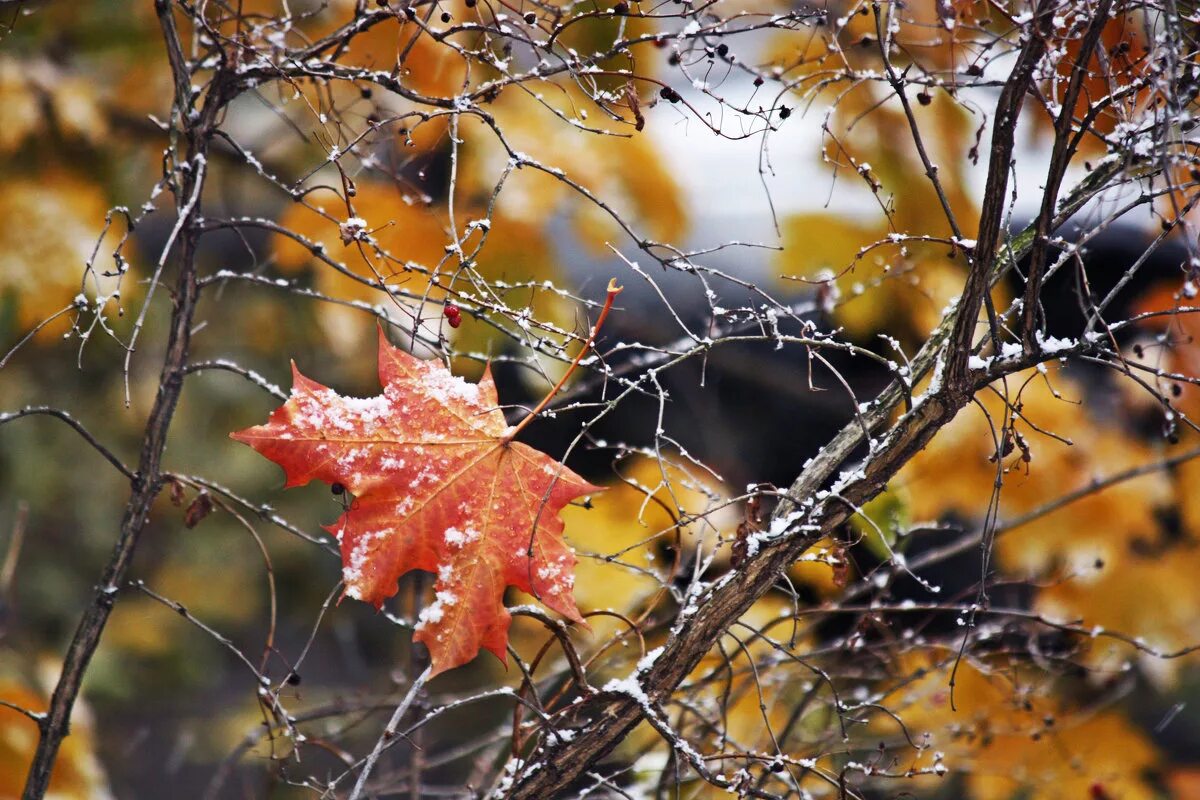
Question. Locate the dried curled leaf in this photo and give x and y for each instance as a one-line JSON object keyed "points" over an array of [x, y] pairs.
{"points": [[438, 487]]}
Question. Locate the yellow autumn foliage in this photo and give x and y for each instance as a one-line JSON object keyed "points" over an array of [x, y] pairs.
{"points": [[22, 110], [52, 224], [1008, 736], [77, 773], [409, 252], [1102, 549], [38, 97], [620, 540], [625, 169], [903, 291]]}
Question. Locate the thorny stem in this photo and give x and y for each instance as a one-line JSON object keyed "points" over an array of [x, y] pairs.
{"points": [[613, 291]]}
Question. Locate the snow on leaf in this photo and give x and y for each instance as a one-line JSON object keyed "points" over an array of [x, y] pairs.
{"points": [[438, 488]]}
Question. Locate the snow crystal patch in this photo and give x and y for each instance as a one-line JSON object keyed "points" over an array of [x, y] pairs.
{"points": [[1053, 344], [556, 737], [445, 388], [435, 611], [368, 410], [325, 410], [647, 661], [348, 460], [432, 613], [456, 538], [975, 362], [426, 475], [352, 572], [629, 686]]}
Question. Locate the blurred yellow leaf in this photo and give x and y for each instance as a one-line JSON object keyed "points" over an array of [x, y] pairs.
{"points": [[140, 626], [626, 172], [1008, 737], [51, 226], [22, 111], [1105, 546], [619, 540], [77, 110], [408, 251], [77, 773]]}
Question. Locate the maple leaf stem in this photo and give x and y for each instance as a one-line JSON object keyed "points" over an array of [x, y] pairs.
{"points": [[613, 291]]}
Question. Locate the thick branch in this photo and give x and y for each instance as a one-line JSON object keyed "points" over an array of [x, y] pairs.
{"points": [[991, 216], [148, 479], [1060, 157], [607, 719]]}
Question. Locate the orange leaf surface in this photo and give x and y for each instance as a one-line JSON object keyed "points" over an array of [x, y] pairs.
{"points": [[437, 487]]}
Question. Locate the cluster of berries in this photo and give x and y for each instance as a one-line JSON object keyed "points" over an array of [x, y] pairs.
{"points": [[453, 315]]}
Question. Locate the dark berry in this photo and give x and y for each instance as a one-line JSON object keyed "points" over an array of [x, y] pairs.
{"points": [[338, 489], [784, 112], [924, 98], [758, 81], [722, 49], [530, 18], [445, 16]]}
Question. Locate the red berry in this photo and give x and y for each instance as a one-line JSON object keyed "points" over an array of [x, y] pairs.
{"points": [[451, 311], [454, 321]]}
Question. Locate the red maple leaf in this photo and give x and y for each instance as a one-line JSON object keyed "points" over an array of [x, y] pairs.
{"points": [[439, 486]]}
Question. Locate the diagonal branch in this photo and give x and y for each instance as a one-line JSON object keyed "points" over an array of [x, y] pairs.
{"points": [[991, 217], [1060, 158], [804, 518], [147, 481]]}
